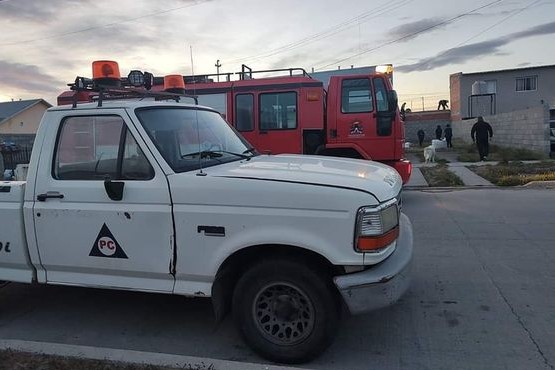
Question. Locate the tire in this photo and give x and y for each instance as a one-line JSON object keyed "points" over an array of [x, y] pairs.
{"points": [[286, 311]]}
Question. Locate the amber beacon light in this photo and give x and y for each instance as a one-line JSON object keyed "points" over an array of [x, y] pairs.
{"points": [[174, 84], [106, 72]]}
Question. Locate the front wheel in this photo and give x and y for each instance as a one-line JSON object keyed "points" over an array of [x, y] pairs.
{"points": [[286, 311]]}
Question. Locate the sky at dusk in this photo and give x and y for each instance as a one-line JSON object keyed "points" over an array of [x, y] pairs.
{"points": [[46, 43]]}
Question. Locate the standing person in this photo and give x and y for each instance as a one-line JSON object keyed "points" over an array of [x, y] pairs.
{"points": [[439, 131], [403, 112], [448, 135], [420, 135], [483, 132]]}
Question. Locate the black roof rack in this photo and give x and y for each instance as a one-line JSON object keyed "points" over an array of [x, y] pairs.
{"points": [[122, 89], [247, 72]]}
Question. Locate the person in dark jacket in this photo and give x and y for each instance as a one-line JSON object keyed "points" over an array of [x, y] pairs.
{"points": [[439, 131], [420, 135], [448, 135], [481, 133]]}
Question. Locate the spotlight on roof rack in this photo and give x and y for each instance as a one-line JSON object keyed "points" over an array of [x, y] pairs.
{"points": [[106, 73], [174, 84], [149, 80], [136, 78]]}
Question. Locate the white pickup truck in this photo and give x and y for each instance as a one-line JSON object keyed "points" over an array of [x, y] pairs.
{"points": [[165, 197]]}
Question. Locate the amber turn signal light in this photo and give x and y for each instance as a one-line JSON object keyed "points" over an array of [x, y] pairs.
{"points": [[373, 243]]}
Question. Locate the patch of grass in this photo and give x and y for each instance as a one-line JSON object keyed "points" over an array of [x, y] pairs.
{"points": [[440, 175], [516, 173], [13, 360], [469, 153]]}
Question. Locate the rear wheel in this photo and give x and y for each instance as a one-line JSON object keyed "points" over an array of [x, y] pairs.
{"points": [[286, 311]]}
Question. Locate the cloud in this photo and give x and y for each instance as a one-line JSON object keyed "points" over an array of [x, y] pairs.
{"points": [[21, 77], [477, 50], [410, 28], [35, 11]]}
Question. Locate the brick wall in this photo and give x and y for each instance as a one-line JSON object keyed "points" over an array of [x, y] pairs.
{"points": [[455, 95], [528, 129]]}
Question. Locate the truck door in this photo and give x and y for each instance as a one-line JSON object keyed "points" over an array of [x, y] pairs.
{"points": [[361, 117], [102, 208], [355, 119], [275, 125]]}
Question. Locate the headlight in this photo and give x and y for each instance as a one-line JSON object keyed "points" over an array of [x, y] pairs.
{"points": [[377, 227]]}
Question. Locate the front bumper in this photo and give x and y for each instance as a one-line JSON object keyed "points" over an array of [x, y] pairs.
{"points": [[381, 285]]}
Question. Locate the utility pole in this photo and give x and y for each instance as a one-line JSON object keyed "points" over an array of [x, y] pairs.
{"points": [[218, 65]]}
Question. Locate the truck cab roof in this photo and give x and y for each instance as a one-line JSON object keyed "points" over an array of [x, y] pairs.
{"points": [[128, 104]]}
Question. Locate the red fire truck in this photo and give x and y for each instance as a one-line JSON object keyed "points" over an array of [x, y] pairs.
{"points": [[356, 116]]}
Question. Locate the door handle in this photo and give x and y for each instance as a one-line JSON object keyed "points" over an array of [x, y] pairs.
{"points": [[333, 133], [263, 132], [49, 194]]}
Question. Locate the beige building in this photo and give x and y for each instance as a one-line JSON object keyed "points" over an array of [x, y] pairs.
{"points": [[21, 117]]}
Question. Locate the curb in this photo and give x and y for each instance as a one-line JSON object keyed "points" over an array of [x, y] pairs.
{"points": [[133, 357], [549, 184], [465, 187]]}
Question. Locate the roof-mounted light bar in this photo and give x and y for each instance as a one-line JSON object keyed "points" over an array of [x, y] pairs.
{"points": [[108, 84]]}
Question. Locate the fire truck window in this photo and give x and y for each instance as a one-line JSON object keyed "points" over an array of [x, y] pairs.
{"points": [[134, 165], [381, 95], [88, 148], [278, 111], [384, 121], [356, 96], [244, 112]]}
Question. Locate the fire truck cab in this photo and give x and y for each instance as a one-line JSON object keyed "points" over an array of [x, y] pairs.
{"points": [[356, 116]]}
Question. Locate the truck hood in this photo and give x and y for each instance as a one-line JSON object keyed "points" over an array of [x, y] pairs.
{"points": [[375, 178]]}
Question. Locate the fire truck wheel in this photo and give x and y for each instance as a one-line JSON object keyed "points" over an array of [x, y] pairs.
{"points": [[286, 311]]}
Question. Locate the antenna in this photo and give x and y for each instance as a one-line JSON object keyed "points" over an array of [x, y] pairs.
{"points": [[201, 173]]}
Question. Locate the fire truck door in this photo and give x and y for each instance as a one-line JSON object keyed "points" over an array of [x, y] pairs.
{"points": [[363, 117], [278, 128], [356, 111]]}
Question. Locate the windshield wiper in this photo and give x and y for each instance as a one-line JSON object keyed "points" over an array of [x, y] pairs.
{"points": [[215, 154], [251, 150]]}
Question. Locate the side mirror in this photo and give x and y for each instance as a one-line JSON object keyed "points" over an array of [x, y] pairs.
{"points": [[392, 100], [114, 189]]}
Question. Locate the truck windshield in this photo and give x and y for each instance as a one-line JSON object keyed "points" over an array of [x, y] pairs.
{"points": [[189, 138]]}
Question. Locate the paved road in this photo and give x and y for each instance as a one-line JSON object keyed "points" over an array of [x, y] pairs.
{"points": [[482, 298]]}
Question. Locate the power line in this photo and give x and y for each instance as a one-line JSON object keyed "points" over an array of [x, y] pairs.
{"points": [[327, 32], [411, 34], [60, 35], [481, 32], [499, 22]]}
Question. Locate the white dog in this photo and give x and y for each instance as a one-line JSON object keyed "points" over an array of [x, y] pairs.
{"points": [[439, 144], [429, 154]]}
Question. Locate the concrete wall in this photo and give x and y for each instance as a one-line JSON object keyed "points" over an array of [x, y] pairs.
{"points": [[427, 121], [27, 122], [506, 97], [429, 127], [528, 129]]}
